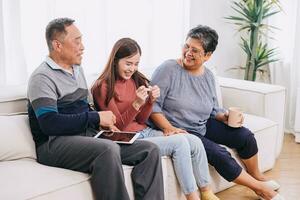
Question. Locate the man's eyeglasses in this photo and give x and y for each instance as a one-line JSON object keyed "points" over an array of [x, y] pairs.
{"points": [[194, 51]]}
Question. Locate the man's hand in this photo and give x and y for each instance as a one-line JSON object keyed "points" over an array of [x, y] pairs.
{"points": [[154, 93], [113, 128], [107, 118]]}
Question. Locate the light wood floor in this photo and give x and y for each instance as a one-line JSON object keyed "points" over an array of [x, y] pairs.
{"points": [[286, 172]]}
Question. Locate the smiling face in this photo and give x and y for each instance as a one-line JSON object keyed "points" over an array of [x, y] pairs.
{"points": [[128, 65], [193, 54]]}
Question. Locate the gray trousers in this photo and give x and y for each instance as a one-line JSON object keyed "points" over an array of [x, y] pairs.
{"points": [[103, 159]]}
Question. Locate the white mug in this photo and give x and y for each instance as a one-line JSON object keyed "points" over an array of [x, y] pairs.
{"points": [[235, 117]]}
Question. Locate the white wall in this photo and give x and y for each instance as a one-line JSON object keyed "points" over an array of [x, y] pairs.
{"points": [[228, 53]]}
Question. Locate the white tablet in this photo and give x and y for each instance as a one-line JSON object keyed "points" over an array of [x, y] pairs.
{"points": [[122, 137]]}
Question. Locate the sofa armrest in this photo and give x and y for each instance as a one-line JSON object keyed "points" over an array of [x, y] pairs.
{"points": [[241, 93], [255, 98]]}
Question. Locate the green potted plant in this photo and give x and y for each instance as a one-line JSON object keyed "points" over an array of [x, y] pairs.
{"points": [[250, 18]]}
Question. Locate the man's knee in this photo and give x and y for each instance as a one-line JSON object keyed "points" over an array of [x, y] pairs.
{"points": [[102, 147], [107, 156]]}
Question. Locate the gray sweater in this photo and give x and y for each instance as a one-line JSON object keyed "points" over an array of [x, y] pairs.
{"points": [[186, 100]]}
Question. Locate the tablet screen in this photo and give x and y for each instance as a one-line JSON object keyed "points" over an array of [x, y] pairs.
{"points": [[118, 136]]}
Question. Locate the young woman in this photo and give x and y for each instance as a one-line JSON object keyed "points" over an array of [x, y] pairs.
{"points": [[122, 89]]}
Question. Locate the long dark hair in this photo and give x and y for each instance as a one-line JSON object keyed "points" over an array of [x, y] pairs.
{"points": [[123, 48]]}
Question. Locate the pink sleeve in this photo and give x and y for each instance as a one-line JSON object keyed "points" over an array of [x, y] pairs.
{"points": [[145, 112]]}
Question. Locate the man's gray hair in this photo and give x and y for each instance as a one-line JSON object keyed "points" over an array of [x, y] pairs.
{"points": [[56, 29]]}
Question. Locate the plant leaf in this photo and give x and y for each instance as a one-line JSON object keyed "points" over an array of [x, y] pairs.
{"points": [[267, 62], [270, 14]]}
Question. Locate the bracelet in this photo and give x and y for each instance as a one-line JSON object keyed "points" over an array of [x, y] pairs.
{"points": [[136, 106]]}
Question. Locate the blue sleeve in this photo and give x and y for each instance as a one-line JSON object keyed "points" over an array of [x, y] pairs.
{"points": [[43, 99], [55, 124], [216, 109], [162, 78]]}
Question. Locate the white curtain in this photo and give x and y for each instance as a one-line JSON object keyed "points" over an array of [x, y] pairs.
{"points": [[287, 71], [158, 26], [2, 71], [12, 64]]}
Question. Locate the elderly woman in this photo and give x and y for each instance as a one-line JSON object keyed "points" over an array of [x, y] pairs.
{"points": [[188, 104]]}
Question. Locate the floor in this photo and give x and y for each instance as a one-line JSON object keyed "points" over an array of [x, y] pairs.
{"points": [[286, 172]]}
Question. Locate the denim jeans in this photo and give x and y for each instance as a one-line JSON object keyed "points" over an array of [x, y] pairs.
{"points": [[188, 155]]}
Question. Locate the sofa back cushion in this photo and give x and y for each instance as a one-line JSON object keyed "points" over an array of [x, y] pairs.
{"points": [[15, 138], [13, 100]]}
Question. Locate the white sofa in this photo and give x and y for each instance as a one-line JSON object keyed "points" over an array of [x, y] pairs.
{"points": [[21, 177]]}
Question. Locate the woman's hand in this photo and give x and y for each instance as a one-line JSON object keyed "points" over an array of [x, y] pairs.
{"points": [[141, 97], [222, 117], [173, 130], [154, 93]]}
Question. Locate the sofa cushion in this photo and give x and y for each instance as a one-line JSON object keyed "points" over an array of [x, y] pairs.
{"points": [[27, 179], [256, 123], [15, 138], [265, 132], [13, 100], [31, 179]]}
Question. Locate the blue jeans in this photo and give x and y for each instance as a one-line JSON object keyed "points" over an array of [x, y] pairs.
{"points": [[188, 155]]}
